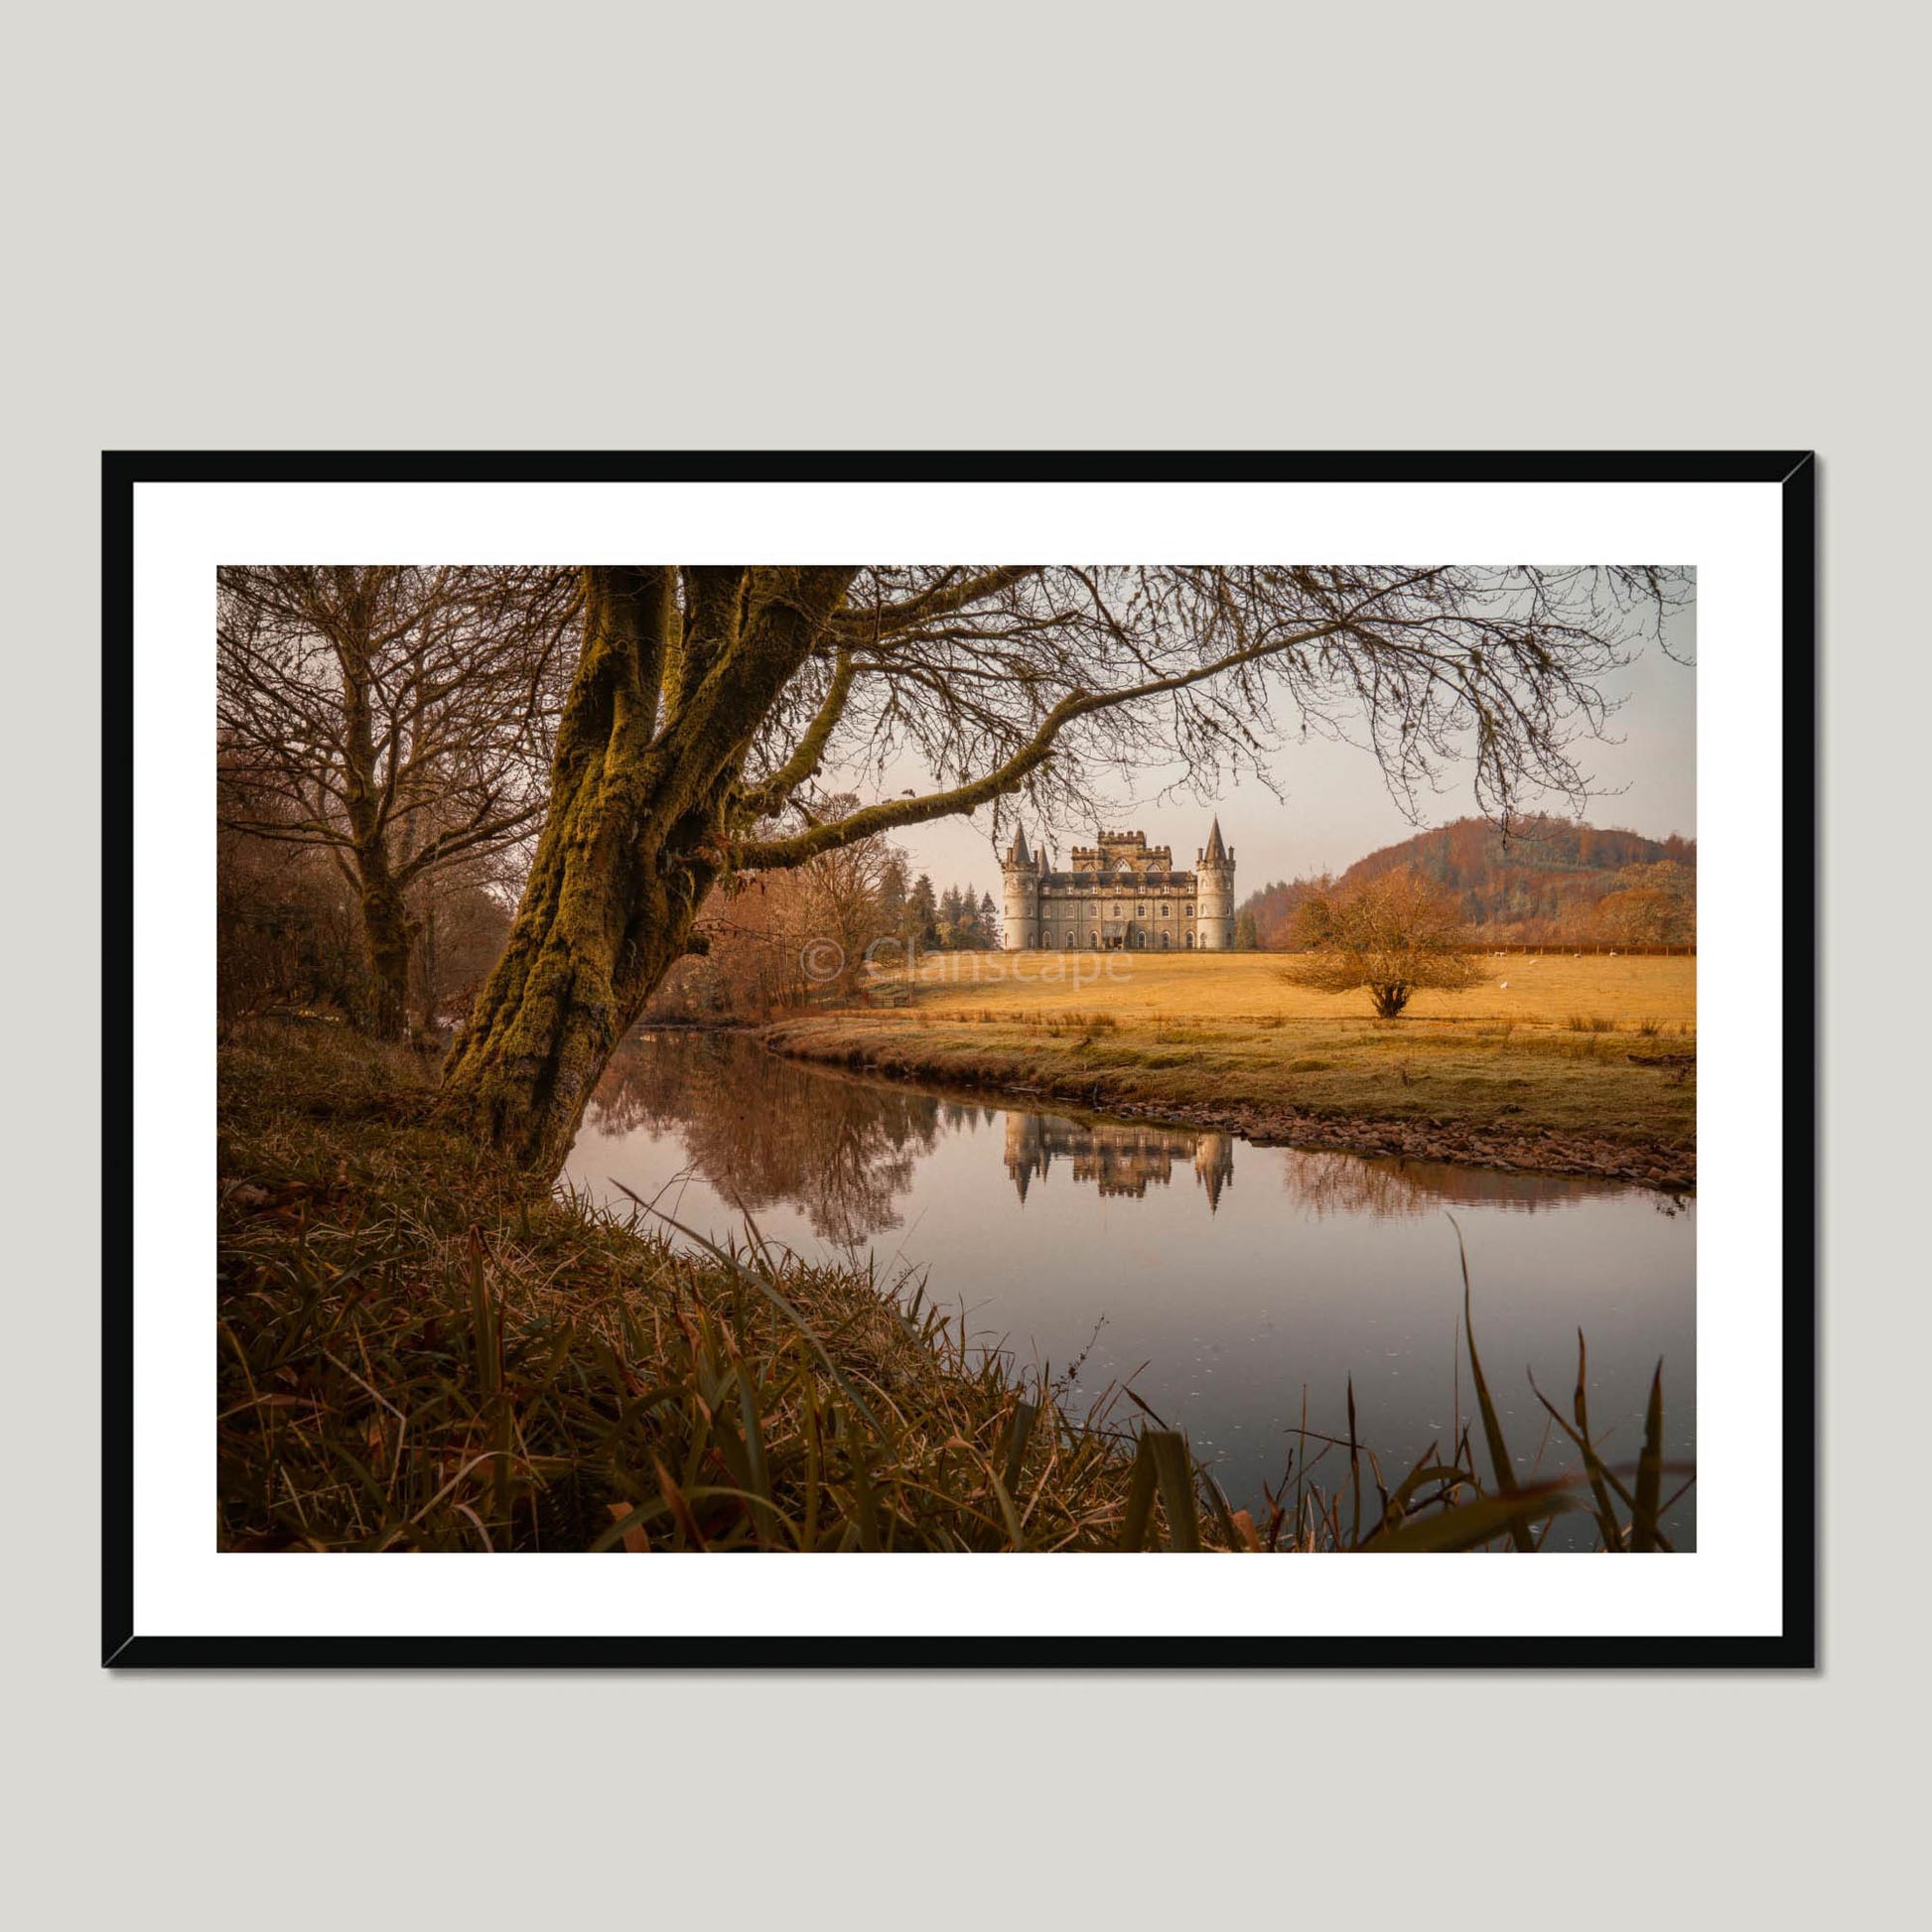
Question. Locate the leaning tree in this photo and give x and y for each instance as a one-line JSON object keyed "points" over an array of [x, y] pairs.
{"points": [[707, 700], [397, 719]]}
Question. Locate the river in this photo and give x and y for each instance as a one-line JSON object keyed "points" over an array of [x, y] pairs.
{"points": [[1228, 1281]]}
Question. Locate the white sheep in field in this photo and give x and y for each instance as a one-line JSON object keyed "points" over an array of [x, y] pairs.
{"points": [[1504, 985]]}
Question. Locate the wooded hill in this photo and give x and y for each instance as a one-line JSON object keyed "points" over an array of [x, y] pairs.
{"points": [[1550, 880]]}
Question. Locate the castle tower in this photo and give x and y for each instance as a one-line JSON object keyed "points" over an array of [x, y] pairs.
{"points": [[1019, 875], [1215, 867], [1027, 1152], [1214, 1165]]}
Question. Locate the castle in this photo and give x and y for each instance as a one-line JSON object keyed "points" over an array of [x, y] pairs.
{"points": [[1123, 895]]}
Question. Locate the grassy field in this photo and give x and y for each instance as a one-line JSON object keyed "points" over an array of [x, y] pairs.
{"points": [[1532, 990], [1555, 1062]]}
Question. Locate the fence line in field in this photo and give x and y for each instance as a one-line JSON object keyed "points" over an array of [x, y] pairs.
{"points": [[1574, 946]]}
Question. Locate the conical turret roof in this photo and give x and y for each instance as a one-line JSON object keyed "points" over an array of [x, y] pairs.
{"points": [[1216, 852], [1021, 856]]}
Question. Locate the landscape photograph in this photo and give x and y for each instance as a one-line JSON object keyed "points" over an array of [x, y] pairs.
{"points": [[957, 1059]]}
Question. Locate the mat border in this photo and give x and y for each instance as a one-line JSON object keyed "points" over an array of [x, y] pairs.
{"points": [[1796, 1648]]}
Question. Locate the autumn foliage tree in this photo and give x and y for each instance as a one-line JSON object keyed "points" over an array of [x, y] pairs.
{"points": [[707, 700], [1652, 905], [781, 938], [1393, 935]]}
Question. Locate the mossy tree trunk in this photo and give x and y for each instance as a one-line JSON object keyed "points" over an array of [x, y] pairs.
{"points": [[645, 788]]}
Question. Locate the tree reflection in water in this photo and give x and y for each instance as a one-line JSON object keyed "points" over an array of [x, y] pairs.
{"points": [[1322, 1184], [763, 1129]]}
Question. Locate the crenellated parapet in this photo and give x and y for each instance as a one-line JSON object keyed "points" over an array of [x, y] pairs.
{"points": [[1123, 851]]}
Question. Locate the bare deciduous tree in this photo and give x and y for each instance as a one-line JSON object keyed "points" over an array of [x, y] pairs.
{"points": [[707, 700], [400, 720], [1393, 935]]}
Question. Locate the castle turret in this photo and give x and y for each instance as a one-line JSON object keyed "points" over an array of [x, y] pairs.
{"points": [[1020, 874], [1214, 1167], [1216, 869], [1027, 1152]]}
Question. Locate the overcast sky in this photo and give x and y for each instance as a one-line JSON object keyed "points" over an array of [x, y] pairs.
{"points": [[1335, 808]]}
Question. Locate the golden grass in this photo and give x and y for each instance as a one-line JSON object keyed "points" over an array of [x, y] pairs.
{"points": [[1530, 989], [1573, 1065]]}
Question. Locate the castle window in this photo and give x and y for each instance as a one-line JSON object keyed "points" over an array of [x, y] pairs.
{"points": [[1191, 942], [1167, 910], [1166, 941], [1190, 909], [1140, 912]]}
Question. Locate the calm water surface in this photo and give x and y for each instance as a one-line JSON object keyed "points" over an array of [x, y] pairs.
{"points": [[1222, 1278]]}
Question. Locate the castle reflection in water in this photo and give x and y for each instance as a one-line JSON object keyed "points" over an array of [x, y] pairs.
{"points": [[1118, 1160], [1124, 1160], [846, 1151]]}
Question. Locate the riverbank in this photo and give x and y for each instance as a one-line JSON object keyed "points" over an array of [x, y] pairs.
{"points": [[1592, 1070], [417, 1351]]}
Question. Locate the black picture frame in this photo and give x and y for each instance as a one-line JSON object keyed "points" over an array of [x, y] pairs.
{"points": [[1795, 473]]}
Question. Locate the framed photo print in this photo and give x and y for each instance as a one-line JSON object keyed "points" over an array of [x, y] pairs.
{"points": [[715, 1078]]}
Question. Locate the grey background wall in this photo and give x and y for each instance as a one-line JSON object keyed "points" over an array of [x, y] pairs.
{"points": [[1140, 227]]}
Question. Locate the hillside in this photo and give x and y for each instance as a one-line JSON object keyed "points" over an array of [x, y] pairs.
{"points": [[1553, 879]]}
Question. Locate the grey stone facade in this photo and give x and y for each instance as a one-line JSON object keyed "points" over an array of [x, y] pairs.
{"points": [[1121, 895]]}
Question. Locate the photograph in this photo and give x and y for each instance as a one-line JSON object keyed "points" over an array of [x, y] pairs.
{"points": [[669, 1100]]}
